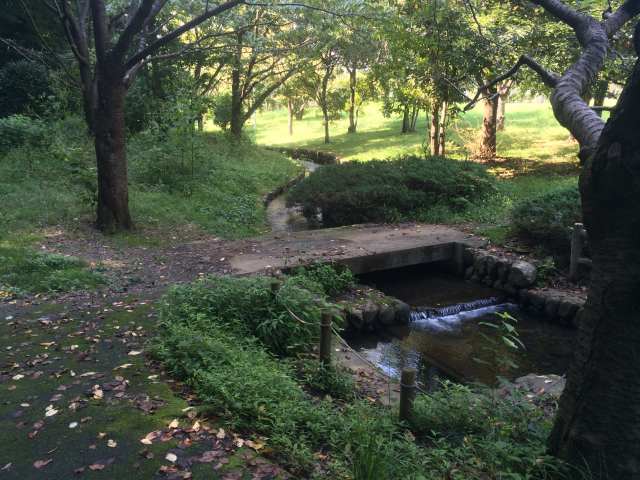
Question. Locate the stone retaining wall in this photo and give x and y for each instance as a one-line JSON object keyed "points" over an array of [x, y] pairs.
{"points": [[367, 310], [517, 279]]}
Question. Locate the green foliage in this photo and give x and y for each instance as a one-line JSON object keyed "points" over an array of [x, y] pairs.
{"points": [[545, 220], [176, 177], [222, 110], [17, 130], [25, 87], [27, 270], [408, 188], [209, 336], [49, 183], [286, 321], [475, 434], [326, 380], [331, 280]]}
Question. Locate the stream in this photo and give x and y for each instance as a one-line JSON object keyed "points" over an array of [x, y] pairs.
{"points": [[288, 219], [446, 338]]}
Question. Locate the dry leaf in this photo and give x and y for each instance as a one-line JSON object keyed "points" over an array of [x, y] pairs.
{"points": [[42, 463], [171, 457], [174, 423], [112, 443]]}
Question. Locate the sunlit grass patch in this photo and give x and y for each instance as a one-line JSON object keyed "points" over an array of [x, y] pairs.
{"points": [[23, 269]]}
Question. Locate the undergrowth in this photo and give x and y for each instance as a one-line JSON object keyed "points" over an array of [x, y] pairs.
{"points": [[23, 269], [177, 177], [212, 335]]}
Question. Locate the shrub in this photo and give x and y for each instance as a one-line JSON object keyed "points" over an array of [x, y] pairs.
{"points": [[25, 87], [546, 219], [285, 321], [18, 130], [409, 188], [222, 110], [331, 280]]}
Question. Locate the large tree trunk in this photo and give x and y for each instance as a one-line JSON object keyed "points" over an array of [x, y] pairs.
{"points": [[353, 81], [434, 130], [598, 422], [442, 124], [113, 193], [487, 142]]}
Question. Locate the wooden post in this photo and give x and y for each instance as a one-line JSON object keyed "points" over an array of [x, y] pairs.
{"points": [[407, 393], [325, 338], [576, 250]]}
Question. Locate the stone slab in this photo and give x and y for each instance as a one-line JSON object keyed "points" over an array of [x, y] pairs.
{"points": [[364, 248]]}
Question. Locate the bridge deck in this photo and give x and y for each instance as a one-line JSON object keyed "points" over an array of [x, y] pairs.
{"points": [[364, 248]]}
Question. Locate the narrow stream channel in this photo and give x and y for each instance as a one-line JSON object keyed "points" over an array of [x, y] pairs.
{"points": [[288, 219], [443, 342]]}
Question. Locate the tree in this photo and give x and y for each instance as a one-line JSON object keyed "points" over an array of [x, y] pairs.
{"points": [[262, 58], [597, 427], [296, 95], [358, 49], [124, 42]]}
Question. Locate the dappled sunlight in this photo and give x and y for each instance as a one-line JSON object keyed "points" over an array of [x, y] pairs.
{"points": [[531, 132]]}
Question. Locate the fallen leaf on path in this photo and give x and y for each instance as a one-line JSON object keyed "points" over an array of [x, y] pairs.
{"points": [[133, 353], [171, 457], [42, 463]]}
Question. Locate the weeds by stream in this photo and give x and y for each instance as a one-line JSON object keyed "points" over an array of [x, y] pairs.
{"points": [[216, 335]]}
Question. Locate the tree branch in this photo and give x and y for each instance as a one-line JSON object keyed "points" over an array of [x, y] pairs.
{"points": [[549, 78], [164, 40]]}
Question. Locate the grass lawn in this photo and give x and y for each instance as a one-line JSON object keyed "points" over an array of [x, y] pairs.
{"points": [[531, 133], [536, 154]]}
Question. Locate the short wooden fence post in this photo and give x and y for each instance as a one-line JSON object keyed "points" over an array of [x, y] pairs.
{"points": [[325, 338], [576, 250], [407, 393]]}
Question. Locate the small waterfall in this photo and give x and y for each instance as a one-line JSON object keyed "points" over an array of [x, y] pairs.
{"points": [[447, 318]]}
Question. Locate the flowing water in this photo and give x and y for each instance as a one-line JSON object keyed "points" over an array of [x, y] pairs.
{"points": [[446, 338], [288, 219]]}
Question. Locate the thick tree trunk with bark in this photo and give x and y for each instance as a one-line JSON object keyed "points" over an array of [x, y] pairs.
{"points": [[110, 136], [487, 142], [434, 129], [598, 423], [353, 81]]}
